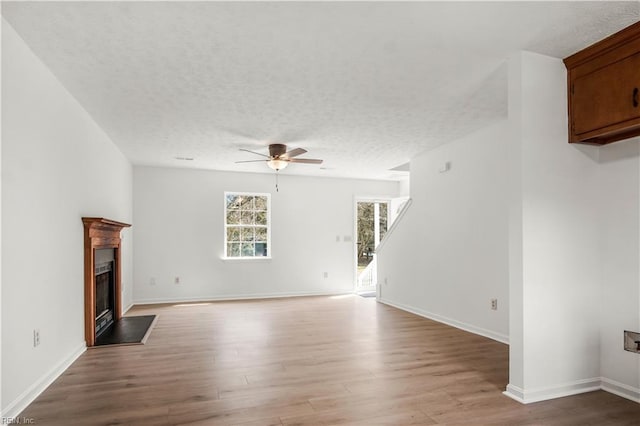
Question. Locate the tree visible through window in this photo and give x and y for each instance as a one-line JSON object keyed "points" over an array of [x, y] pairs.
{"points": [[246, 225], [370, 233]]}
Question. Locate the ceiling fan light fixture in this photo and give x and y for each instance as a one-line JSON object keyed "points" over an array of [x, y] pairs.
{"points": [[277, 164]]}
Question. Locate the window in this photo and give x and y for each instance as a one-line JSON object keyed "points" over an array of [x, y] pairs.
{"points": [[247, 232]]}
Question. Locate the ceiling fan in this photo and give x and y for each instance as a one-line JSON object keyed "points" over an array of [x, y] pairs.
{"points": [[279, 157]]}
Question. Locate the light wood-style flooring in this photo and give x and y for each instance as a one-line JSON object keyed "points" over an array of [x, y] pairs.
{"points": [[304, 361]]}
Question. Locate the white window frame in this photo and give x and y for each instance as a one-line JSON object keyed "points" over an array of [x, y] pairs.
{"points": [[268, 225]]}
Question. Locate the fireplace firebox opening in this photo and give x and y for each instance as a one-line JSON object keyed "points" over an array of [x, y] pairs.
{"points": [[105, 290]]}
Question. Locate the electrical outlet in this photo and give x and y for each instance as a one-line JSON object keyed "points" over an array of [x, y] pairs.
{"points": [[325, 274], [152, 281], [385, 281], [632, 341], [36, 337], [176, 280], [494, 304]]}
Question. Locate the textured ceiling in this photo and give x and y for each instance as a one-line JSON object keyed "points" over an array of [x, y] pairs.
{"points": [[363, 85]]}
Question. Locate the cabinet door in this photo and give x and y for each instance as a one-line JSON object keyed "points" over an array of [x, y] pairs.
{"points": [[605, 97]]}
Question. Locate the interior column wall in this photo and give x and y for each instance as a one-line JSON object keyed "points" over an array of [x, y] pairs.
{"points": [[559, 346], [514, 211]]}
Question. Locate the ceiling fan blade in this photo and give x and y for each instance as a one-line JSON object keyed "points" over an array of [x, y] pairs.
{"points": [[295, 152], [304, 160], [251, 161], [253, 152]]}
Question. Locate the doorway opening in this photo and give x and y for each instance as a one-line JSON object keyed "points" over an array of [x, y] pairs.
{"points": [[371, 225]]}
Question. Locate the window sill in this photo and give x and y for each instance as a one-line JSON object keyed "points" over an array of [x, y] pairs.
{"points": [[246, 259]]}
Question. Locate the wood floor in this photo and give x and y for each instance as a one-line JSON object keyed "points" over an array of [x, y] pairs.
{"points": [[304, 361]]}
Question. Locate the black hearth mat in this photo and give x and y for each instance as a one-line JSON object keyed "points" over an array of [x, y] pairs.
{"points": [[127, 331]]}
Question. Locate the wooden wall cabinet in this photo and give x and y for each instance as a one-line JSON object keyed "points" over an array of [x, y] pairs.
{"points": [[603, 83]]}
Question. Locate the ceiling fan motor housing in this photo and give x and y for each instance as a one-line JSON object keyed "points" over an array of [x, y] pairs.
{"points": [[277, 149]]}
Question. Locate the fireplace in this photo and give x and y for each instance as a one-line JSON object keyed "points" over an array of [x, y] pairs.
{"points": [[102, 286]]}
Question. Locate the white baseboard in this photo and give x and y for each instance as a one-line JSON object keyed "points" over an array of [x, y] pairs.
{"points": [[620, 389], [551, 392], [502, 338], [233, 297], [125, 310], [515, 392], [31, 393]]}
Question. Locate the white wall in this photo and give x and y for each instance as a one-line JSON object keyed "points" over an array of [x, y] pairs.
{"points": [[179, 231], [57, 166], [619, 179], [405, 187], [559, 239], [447, 258]]}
